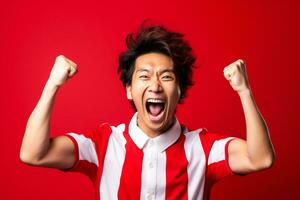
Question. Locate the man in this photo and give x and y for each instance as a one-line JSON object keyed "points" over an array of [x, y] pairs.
{"points": [[154, 156]]}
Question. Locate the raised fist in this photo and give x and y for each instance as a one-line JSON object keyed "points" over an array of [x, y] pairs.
{"points": [[236, 74], [62, 70]]}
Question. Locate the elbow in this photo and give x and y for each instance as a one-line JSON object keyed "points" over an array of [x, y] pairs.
{"points": [[265, 163], [272, 160], [27, 158], [269, 160]]}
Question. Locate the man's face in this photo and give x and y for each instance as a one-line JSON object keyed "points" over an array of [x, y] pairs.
{"points": [[155, 92]]}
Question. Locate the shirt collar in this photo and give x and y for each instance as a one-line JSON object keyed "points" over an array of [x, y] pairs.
{"points": [[163, 141]]}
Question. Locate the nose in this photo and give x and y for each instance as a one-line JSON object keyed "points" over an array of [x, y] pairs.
{"points": [[155, 85]]}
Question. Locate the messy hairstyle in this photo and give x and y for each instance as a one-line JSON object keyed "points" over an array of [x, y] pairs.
{"points": [[157, 39]]}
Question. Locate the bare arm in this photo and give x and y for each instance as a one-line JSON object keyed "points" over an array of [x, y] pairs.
{"points": [[37, 147], [256, 153]]}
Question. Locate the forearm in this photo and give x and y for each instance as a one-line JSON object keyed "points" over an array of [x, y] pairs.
{"points": [[259, 146], [36, 138]]}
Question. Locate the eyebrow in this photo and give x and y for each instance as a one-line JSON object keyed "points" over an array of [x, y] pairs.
{"points": [[142, 70], [168, 70], [163, 71]]}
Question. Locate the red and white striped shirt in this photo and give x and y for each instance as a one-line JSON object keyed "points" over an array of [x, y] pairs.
{"points": [[124, 163]]}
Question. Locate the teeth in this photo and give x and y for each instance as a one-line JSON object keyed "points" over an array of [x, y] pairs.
{"points": [[155, 101]]}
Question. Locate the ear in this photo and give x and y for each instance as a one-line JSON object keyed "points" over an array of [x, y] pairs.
{"points": [[179, 91], [128, 92]]}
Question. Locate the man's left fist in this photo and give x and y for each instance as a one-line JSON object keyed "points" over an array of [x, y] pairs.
{"points": [[236, 74]]}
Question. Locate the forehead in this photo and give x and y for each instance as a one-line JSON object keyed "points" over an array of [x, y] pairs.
{"points": [[154, 61]]}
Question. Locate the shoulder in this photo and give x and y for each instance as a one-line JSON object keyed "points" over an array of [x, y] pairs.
{"points": [[203, 133], [191, 135], [117, 132], [208, 140], [102, 133]]}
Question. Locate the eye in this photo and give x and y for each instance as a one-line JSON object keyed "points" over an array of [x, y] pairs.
{"points": [[168, 78], [143, 77]]}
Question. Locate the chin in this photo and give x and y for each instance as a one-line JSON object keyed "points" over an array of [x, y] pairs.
{"points": [[162, 126]]}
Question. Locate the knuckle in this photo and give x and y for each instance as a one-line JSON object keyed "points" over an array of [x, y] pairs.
{"points": [[74, 65], [235, 67], [60, 57], [241, 62]]}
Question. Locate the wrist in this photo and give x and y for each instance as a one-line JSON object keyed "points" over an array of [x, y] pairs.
{"points": [[245, 92], [51, 86]]}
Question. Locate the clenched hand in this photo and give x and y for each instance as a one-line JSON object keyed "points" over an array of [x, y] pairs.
{"points": [[62, 70], [236, 74]]}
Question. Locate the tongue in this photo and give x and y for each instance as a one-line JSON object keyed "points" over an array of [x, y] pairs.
{"points": [[155, 109]]}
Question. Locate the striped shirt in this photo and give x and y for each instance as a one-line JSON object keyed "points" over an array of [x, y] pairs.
{"points": [[124, 163]]}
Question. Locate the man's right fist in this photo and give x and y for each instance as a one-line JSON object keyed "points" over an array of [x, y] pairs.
{"points": [[62, 70]]}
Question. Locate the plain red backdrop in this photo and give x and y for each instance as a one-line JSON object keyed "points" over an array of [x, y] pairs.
{"points": [[265, 34]]}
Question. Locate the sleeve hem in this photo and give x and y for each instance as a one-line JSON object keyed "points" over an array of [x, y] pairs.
{"points": [[76, 152], [227, 158]]}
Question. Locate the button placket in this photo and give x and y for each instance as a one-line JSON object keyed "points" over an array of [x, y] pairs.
{"points": [[151, 170]]}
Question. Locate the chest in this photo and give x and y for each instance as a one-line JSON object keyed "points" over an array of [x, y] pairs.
{"points": [[150, 172]]}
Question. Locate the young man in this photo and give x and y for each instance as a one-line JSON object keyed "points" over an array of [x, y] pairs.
{"points": [[154, 156]]}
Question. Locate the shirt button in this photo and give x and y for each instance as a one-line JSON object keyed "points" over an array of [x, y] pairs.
{"points": [[149, 196], [151, 165], [150, 143]]}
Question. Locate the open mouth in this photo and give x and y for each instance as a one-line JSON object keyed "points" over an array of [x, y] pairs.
{"points": [[155, 107]]}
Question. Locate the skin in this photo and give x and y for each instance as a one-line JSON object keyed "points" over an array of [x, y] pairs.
{"points": [[153, 77], [257, 152], [37, 148]]}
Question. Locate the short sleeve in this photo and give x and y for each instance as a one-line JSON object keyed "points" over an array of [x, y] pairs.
{"points": [[89, 149], [216, 151]]}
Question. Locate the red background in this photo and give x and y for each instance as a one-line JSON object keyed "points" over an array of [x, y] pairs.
{"points": [[264, 34]]}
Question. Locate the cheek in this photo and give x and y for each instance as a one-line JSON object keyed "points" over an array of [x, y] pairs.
{"points": [[174, 95], [137, 91]]}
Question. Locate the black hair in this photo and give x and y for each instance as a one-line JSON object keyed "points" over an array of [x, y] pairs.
{"points": [[157, 39]]}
